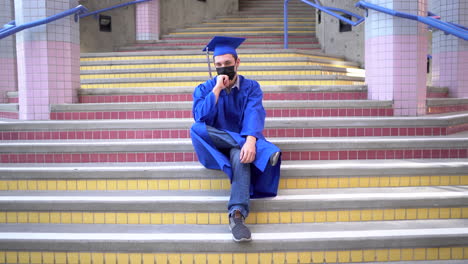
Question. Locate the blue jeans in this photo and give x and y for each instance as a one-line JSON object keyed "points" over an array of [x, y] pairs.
{"points": [[240, 186]]}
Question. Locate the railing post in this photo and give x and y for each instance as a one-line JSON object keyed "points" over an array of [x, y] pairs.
{"points": [[8, 80], [450, 54], [286, 23], [48, 58], [148, 21], [395, 58]]}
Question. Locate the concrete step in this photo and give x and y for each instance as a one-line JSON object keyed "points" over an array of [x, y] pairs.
{"points": [[269, 33], [289, 207], [446, 105], [235, 18], [180, 109], [184, 93], [259, 68], [251, 27], [437, 92], [201, 76], [193, 176], [177, 150], [173, 61], [245, 52], [210, 201], [278, 45], [249, 40], [187, 105], [274, 127], [246, 24], [9, 111], [217, 239]]}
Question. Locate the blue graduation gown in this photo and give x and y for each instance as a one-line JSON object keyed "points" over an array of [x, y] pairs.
{"points": [[240, 113]]}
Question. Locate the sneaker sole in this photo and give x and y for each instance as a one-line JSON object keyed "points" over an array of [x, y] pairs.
{"points": [[242, 240]]}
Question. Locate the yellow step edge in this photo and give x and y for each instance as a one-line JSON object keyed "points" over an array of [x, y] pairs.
{"points": [[190, 65], [204, 73], [276, 217], [262, 18], [253, 23], [280, 257], [243, 32], [281, 55], [229, 27], [178, 84], [224, 184]]}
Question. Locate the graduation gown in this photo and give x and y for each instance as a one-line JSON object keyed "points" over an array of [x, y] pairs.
{"points": [[239, 113]]}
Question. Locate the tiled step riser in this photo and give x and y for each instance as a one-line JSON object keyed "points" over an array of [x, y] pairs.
{"points": [[188, 97], [224, 183], [110, 157], [184, 133], [294, 45], [217, 218], [446, 109], [9, 115], [419, 255], [321, 112], [437, 95]]}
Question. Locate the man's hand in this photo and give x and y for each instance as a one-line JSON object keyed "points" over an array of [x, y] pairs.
{"points": [[249, 150], [222, 82]]}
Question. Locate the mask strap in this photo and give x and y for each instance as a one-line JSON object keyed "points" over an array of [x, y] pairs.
{"points": [[208, 61]]}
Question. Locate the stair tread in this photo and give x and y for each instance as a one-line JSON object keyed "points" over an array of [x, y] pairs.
{"points": [[217, 238], [194, 170], [194, 196], [441, 119]]}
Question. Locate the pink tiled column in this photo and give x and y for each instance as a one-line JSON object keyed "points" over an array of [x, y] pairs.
{"points": [[8, 79], [449, 53], [147, 21], [48, 58], [396, 51]]}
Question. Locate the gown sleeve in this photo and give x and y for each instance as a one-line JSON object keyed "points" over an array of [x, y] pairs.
{"points": [[254, 113], [204, 103]]}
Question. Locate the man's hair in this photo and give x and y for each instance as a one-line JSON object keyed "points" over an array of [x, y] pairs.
{"points": [[235, 57]]}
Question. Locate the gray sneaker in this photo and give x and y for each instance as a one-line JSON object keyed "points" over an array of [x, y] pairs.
{"points": [[240, 232]]}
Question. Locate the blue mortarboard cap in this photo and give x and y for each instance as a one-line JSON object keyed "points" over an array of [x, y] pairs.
{"points": [[224, 45]]}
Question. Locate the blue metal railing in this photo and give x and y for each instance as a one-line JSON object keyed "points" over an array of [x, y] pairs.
{"points": [[9, 25], [112, 7], [329, 10], [449, 28], [79, 12], [431, 20], [11, 28]]}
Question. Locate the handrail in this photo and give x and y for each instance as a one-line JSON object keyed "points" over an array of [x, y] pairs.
{"points": [[112, 7], [14, 29], [431, 20], [8, 25], [448, 28], [326, 9]]}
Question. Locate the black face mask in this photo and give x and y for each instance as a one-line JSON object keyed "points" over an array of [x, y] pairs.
{"points": [[229, 71]]}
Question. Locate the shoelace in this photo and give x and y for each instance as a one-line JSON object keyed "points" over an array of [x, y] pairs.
{"points": [[238, 220]]}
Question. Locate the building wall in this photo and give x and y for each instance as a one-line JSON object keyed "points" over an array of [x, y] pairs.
{"points": [[174, 14], [349, 45], [123, 27], [180, 13]]}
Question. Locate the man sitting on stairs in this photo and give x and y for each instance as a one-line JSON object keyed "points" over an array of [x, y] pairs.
{"points": [[227, 134]]}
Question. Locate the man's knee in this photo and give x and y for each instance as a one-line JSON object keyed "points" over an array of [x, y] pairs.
{"points": [[235, 155], [198, 128]]}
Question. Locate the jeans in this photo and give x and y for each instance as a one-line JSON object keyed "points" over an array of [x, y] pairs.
{"points": [[240, 185]]}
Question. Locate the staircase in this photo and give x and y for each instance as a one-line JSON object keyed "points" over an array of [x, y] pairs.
{"points": [[114, 179]]}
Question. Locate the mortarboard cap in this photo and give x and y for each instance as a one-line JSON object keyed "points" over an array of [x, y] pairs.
{"points": [[220, 45]]}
